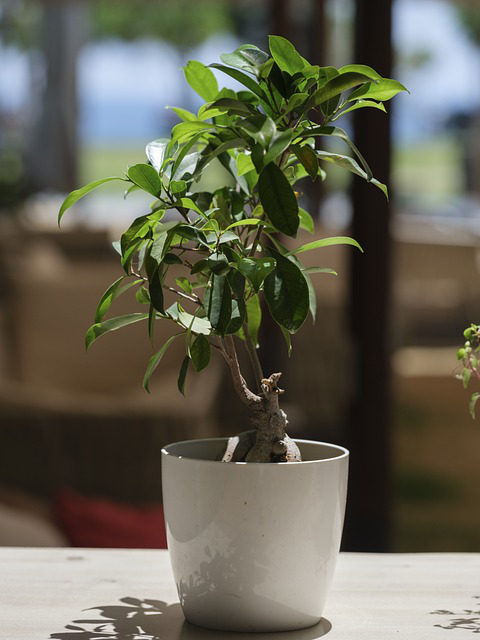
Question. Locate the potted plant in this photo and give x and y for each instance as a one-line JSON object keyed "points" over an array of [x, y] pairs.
{"points": [[469, 356], [253, 546]]}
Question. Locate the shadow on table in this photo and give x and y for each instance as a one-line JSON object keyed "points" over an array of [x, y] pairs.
{"points": [[136, 619], [467, 619]]}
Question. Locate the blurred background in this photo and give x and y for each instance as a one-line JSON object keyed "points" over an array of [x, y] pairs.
{"points": [[83, 88]]}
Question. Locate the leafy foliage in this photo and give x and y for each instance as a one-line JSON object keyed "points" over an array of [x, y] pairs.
{"points": [[204, 260], [469, 356]]}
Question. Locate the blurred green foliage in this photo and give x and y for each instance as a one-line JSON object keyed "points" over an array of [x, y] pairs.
{"points": [[184, 23], [470, 19], [20, 22]]}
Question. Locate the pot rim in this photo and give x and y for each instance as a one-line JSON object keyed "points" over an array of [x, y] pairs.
{"points": [[343, 453]]}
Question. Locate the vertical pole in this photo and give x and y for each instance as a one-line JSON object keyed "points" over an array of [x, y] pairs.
{"points": [[52, 161], [317, 54], [368, 519], [280, 22]]}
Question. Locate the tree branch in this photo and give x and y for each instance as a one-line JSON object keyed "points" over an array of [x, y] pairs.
{"points": [[183, 295], [246, 396], [252, 353]]}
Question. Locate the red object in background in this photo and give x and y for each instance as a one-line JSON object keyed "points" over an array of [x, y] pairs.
{"points": [[99, 522]]}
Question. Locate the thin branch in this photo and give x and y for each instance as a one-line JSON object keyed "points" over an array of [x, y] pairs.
{"points": [[246, 396], [253, 250], [183, 295], [252, 353]]}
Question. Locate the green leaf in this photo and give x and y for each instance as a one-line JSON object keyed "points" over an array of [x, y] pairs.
{"points": [[157, 251], [218, 263], [256, 270], [73, 197], [206, 112], [278, 200], [325, 242], [184, 284], [219, 304], [295, 101], [279, 144], [286, 293], [201, 265], [202, 80], [152, 316], [466, 376], [247, 81], [127, 192], [285, 55], [171, 258], [233, 106], [178, 186], [188, 203], [254, 318], [244, 164], [181, 159], [306, 221], [140, 228], [209, 155], [361, 104], [247, 57], [195, 324], [361, 68], [320, 270], [308, 159], [155, 289], [157, 152], [182, 375], [236, 60], [113, 292], [226, 236], [183, 114], [261, 128], [337, 85], [473, 401], [154, 361], [100, 328], [135, 248], [312, 298], [200, 352], [340, 133], [185, 131], [351, 165], [142, 296], [252, 222], [145, 177], [288, 340], [383, 90], [238, 316]]}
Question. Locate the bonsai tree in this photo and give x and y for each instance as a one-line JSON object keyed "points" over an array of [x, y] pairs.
{"points": [[469, 356], [230, 243]]}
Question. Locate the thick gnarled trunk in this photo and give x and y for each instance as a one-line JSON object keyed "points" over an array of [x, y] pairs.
{"points": [[268, 440]]}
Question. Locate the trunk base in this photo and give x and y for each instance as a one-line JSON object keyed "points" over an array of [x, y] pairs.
{"points": [[245, 448]]}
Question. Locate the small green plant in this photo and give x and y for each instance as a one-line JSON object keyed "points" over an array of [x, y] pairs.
{"points": [[203, 260], [469, 356]]}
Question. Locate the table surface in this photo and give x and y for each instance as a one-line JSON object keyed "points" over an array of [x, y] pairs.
{"points": [[93, 594]]}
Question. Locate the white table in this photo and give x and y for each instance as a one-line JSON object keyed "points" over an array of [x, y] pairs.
{"points": [[44, 593]]}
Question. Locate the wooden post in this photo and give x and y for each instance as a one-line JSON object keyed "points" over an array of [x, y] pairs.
{"points": [[368, 517]]}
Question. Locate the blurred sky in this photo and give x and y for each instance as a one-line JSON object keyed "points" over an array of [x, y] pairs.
{"points": [[124, 87]]}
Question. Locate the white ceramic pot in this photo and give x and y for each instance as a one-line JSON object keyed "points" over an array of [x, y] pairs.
{"points": [[253, 546]]}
